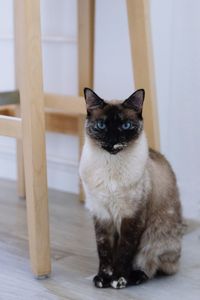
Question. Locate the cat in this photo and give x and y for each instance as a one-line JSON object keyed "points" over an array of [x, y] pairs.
{"points": [[131, 192]]}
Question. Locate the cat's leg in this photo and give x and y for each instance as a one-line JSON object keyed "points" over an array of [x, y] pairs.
{"points": [[104, 239], [123, 275]]}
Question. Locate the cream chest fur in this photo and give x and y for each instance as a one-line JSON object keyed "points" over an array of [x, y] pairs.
{"points": [[115, 184]]}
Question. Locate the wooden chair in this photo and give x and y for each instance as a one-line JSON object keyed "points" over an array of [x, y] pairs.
{"points": [[62, 113]]}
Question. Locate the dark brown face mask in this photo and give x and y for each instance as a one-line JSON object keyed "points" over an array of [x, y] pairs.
{"points": [[114, 126]]}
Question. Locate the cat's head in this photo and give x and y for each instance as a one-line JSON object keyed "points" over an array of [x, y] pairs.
{"points": [[114, 125]]}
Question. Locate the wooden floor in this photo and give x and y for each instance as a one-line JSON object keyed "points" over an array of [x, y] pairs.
{"points": [[74, 256]]}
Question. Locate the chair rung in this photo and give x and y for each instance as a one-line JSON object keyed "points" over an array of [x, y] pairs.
{"points": [[10, 126], [8, 98], [69, 105]]}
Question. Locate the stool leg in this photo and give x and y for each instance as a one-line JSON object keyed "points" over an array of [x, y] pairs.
{"points": [[36, 198], [142, 60], [20, 166], [86, 16], [81, 132], [29, 73], [20, 171]]}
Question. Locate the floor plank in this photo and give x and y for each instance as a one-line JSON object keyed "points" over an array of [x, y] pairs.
{"points": [[74, 256]]}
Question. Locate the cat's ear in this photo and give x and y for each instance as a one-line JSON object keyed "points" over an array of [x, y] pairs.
{"points": [[93, 101], [135, 101]]}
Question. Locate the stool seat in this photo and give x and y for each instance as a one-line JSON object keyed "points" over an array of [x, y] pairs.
{"points": [[9, 98]]}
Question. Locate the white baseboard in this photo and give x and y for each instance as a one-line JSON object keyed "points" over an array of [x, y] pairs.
{"points": [[62, 173]]}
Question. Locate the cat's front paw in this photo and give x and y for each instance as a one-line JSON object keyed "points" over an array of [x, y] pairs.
{"points": [[119, 283], [101, 281]]}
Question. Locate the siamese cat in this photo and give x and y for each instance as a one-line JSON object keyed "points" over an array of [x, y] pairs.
{"points": [[131, 192]]}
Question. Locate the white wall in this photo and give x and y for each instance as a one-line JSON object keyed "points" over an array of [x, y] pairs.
{"points": [[176, 45], [175, 29], [113, 67]]}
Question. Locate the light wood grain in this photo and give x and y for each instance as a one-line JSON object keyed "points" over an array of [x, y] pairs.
{"points": [[56, 120], [10, 126], [86, 12], [142, 61], [74, 256], [8, 110], [81, 135], [21, 189], [29, 70], [86, 29], [69, 105], [62, 123]]}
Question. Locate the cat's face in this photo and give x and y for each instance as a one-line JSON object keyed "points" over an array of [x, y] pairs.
{"points": [[113, 126]]}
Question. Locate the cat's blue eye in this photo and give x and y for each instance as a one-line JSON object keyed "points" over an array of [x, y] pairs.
{"points": [[100, 124], [127, 125]]}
